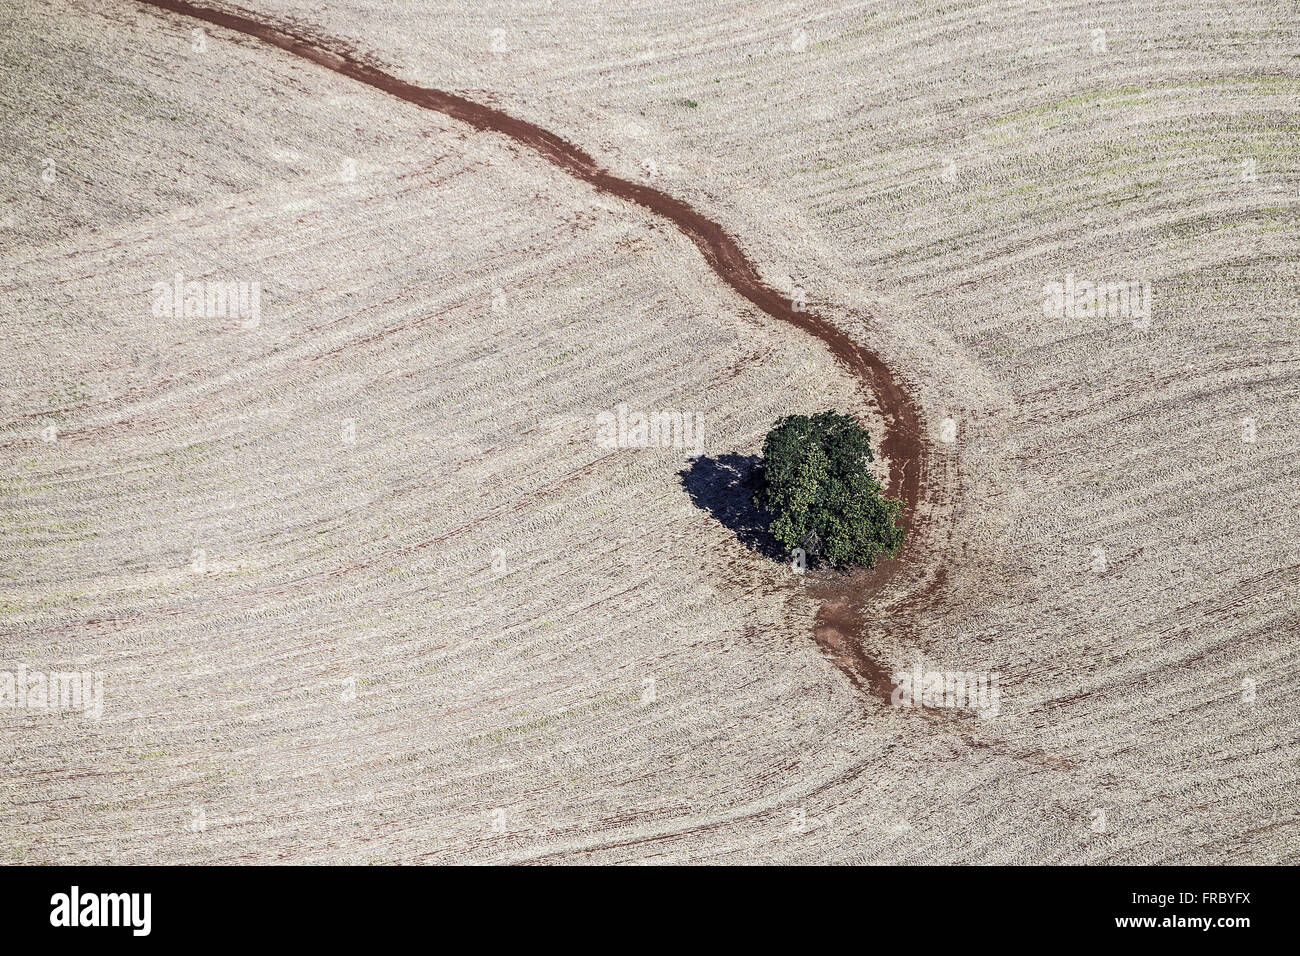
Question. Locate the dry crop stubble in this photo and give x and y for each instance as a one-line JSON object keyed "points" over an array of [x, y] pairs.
{"points": [[923, 172], [280, 543], [936, 167]]}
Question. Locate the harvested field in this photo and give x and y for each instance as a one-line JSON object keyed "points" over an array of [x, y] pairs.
{"points": [[363, 586]]}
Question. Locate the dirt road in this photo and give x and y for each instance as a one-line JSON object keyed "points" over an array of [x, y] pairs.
{"points": [[845, 598]]}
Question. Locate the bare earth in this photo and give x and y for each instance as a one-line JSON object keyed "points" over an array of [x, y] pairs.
{"points": [[363, 586]]}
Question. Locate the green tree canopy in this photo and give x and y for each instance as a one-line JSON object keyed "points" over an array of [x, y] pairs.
{"points": [[821, 494]]}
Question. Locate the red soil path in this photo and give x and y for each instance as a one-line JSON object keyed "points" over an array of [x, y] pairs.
{"points": [[840, 623]]}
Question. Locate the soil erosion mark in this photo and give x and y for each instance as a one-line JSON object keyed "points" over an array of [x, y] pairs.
{"points": [[840, 627]]}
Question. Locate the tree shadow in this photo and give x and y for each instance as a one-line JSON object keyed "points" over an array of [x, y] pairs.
{"points": [[725, 487]]}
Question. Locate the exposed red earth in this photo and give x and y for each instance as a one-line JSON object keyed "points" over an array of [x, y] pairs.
{"points": [[845, 598]]}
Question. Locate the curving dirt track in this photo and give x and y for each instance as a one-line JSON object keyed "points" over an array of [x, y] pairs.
{"points": [[839, 628]]}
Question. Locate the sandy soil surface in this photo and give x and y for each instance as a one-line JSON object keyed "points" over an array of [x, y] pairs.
{"points": [[362, 585]]}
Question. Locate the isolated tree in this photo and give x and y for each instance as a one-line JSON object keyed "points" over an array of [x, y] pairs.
{"points": [[822, 497]]}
